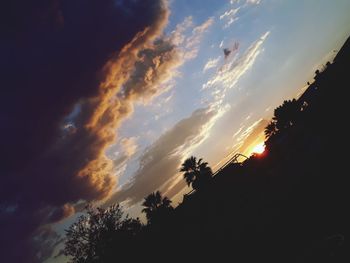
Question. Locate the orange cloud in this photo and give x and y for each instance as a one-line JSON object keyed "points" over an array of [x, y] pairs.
{"points": [[97, 130]]}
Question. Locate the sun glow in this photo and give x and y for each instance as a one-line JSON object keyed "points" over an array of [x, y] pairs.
{"points": [[259, 148]]}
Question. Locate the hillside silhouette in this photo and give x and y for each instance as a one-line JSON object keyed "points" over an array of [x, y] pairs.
{"points": [[286, 205]]}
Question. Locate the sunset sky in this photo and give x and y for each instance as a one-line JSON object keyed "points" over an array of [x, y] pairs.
{"points": [[104, 101]]}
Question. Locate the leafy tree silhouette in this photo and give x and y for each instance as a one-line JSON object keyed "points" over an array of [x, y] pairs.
{"points": [[286, 114], [271, 129], [156, 207], [95, 235], [196, 173]]}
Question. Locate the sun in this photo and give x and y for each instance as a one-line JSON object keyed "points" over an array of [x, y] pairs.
{"points": [[259, 148]]}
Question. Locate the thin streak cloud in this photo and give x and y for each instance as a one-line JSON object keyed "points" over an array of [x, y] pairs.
{"points": [[212, 63]]}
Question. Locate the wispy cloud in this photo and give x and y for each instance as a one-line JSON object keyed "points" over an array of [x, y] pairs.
{"points": [[229, 13], [254, 2], [244, 138], [250, 135], [243, 135], [192, 43], [178, 36], [187, 36], [229, 74], [238, 132], [125, 150], [212, 63], [230, 16]]}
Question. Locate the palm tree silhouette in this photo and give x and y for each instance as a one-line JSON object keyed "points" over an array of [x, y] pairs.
{"points": [[156, 206], [196, 173]]}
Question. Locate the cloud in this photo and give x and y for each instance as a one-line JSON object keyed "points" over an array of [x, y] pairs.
{"points": [[66, 90], [230, 16], [129, 145], [160, 162], [187, 37], [178, 35], [121, 154], [48, 240], [212, 63], [242, 135], [191, 44], [253, 2], [237, 132], [250, 135], [154, 67], [244, 138], [229, 74], [229, 13], [57, 214]]}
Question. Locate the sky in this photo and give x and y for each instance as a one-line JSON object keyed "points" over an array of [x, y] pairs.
{"points": [[103, 101]]}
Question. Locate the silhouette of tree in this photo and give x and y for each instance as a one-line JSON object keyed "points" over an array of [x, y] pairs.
{"points": [[189, 166], [156, 206], [196, 173], [286, 114], [95, 235], [270, 129]]}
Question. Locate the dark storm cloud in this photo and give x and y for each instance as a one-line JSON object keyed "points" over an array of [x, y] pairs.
{"points": [[55, 54]]}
